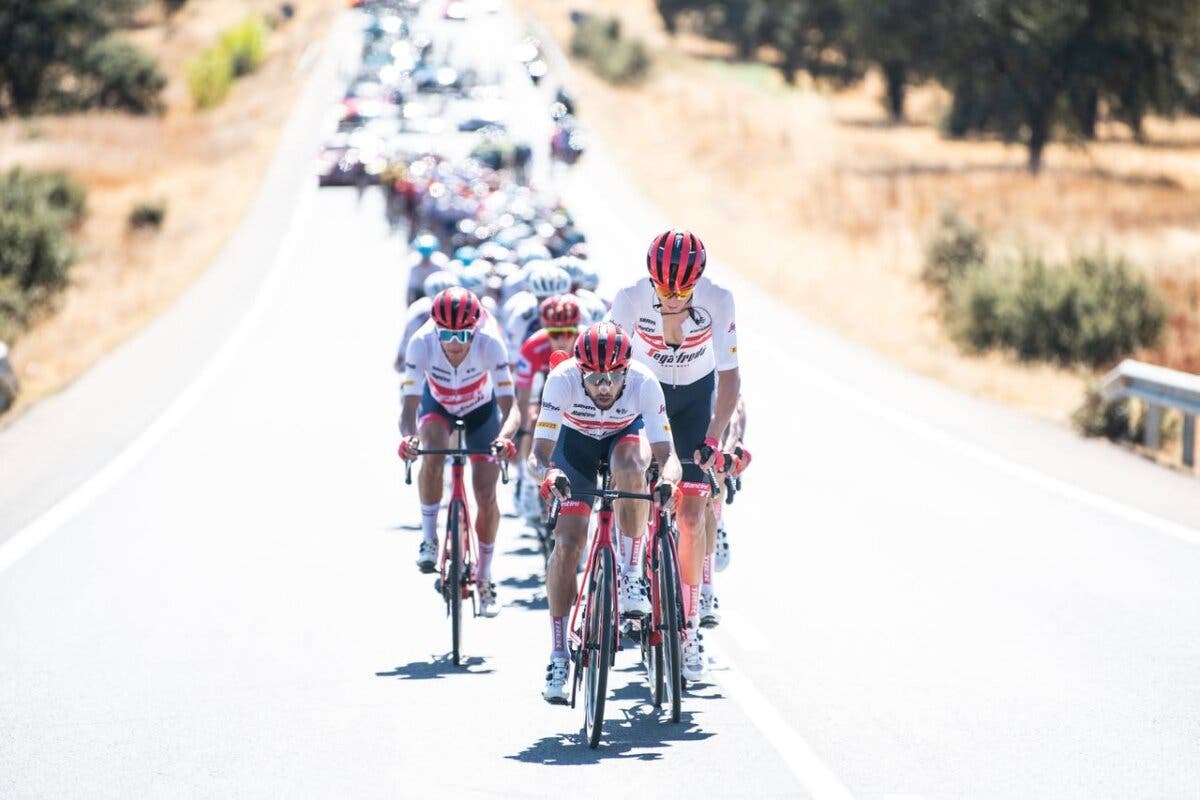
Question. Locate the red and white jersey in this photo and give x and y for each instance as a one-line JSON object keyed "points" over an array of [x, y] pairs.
{"points": [[709, 332], [565, 403], [463, 388], [534, 360]]}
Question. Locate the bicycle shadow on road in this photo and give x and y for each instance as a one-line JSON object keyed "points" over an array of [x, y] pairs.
{"points": [[642, 735], [532, 581], [437, 668]]}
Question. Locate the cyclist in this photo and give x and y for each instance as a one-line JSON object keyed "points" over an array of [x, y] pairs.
{"points": [[455, 369], [584, 280], [519, 316], [593, 408], [418, 311], [560, 317], [683, 328], [425, 260]]}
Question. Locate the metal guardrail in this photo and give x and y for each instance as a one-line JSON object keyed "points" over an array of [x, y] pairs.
{"points": [[9, 385], [1159, 388]]}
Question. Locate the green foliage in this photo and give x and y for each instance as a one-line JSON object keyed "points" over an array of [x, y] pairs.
{"points": [[115, 74], [956, 248], [1097, 416], [32, 193], [245, 45], [49, 58], [36, 209], [209, 77], [615, 58], [148, 214], [1090, 311], [240, 50], [14, 309]]}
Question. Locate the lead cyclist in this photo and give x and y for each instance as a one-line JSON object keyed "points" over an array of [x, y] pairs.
{"points": [[684, 329]]}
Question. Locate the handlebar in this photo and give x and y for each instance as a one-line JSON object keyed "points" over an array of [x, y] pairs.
{"points": [[457, 451], [661, 495]]}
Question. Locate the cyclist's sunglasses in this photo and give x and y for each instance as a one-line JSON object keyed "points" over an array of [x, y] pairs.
{"points": [[447, 335], [665, 293], [596, 379], [562, 331]]}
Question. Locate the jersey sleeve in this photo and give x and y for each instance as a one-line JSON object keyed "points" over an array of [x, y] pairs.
{"points": [[501, 374], [725, 334], [621, 312], [653, 407], [526, 366], [416, 363], [555, 395]]}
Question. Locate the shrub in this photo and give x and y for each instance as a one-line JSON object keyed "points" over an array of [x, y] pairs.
{"points": [[147, 214], [245, 45], [14, 309], [1091, 311], [956, 247], [115, 74], [209, 76], [172, 7], [34, 251], [1097, 416], [598, 40], [34, 192]]}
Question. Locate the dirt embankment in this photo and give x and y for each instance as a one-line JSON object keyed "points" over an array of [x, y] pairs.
{"points": [[814, 195], [206, 166]]}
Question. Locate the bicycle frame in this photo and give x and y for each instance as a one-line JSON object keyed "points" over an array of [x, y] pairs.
{"points": [[603, 538]]}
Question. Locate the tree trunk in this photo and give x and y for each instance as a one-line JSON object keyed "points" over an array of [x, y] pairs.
{"points": [[896, 75], [1087, 111], [1039, 134]]}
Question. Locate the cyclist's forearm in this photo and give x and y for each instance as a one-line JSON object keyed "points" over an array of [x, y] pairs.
{"points": [[736, 431], [543, 451], [729, 386], [664, 454], [511, 416], [408, 415], [523, 406]]}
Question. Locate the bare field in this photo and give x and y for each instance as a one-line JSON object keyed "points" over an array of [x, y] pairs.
{"points": [[813, 194], [205, 165]]}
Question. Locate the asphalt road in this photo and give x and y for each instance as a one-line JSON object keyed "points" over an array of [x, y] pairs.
{"points": [[207, 589]]}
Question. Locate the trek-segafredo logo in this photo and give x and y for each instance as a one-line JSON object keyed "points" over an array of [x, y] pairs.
{"points": [[668, 357]]}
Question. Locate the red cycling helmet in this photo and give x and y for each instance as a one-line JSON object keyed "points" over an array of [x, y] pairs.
{"points": [[559, 311], [676, 260], [456, 309], [603, 347]]}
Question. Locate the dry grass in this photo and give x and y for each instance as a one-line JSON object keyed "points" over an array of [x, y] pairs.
{"points": [[206, 166], [813, 194]]}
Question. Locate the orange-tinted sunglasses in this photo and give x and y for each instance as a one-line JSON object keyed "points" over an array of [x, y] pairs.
{"points": [[667, 294]]}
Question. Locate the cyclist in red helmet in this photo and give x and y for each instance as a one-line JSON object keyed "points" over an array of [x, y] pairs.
{"points": [[595, 407], [683, 329], [559, 317], [455, 368]]}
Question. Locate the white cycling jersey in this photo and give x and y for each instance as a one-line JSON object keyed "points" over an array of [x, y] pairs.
{"points": [[519, 318], [460, 389], [565, 404], [418, 315], [709, 332]]}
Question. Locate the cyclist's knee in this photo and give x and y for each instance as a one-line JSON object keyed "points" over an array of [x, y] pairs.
{"points": [[691, 517], [628, 465]]}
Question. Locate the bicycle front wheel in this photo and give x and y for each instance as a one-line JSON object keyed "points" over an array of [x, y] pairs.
{"points": [[670, 675], [453, 585], [599, 638]]}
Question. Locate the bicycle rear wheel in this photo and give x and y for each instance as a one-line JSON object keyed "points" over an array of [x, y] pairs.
{"points": [[669, 657], [454, 583], [599, 638]]}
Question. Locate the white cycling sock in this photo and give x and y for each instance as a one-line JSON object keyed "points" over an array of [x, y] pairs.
{"points": [[484, 572], [706, 587], [429, 515], [558, 634], [691, 603], [630, 550]]}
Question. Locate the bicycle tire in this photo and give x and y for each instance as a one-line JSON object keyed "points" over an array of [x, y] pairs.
{"points": [[454, 582], [671, 672], [600, 635]]}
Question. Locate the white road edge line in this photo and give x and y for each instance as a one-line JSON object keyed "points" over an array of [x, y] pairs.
{"points": [[793, 750], [1001, 463], [76, 501]]}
